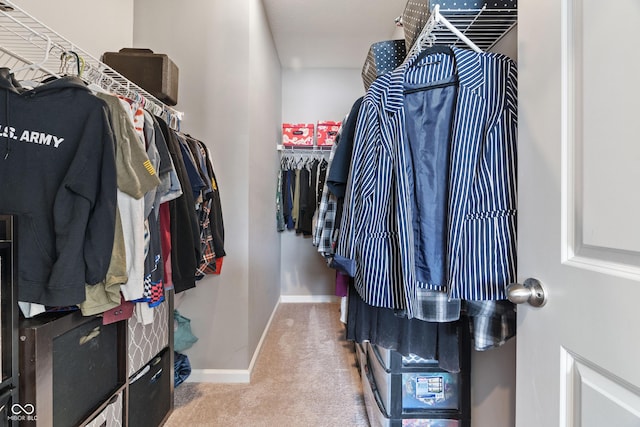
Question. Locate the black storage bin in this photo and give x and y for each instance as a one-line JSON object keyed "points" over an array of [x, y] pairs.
{"points": [[153, 72], [70, 366], [85, 370], [150, 392], [383, 57]]}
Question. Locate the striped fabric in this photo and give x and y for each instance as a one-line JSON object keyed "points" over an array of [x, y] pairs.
{"points": [[376, 226]]}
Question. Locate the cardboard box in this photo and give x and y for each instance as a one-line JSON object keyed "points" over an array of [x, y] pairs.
{"points": [[297, 135], [153, 72], [327, 132]]}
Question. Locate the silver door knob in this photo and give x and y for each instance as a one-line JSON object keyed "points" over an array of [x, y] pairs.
{"points": [[531, 291]]}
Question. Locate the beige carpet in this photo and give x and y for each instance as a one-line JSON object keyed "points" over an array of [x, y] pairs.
{"points": [[304, 376]]}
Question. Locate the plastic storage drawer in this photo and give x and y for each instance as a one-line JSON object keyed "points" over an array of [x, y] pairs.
{"points": [[361, 355], [426, 389], [379, 418], [394, 361]]}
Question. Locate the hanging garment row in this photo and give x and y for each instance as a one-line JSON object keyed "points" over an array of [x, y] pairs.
{"points": [[427, 229], [299, 189], [112, 203]]}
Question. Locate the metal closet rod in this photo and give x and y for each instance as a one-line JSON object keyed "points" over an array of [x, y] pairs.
{"points": [[304, 149], [22, 37]]}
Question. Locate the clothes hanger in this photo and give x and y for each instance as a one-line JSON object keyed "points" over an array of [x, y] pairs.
{"points": [[425, 43], [93, 76], [39, 64], [442, 20], [72, 55]]}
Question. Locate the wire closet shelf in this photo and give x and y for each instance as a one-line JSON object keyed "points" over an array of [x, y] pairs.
{"points": [[483, 22], [32, 51]]}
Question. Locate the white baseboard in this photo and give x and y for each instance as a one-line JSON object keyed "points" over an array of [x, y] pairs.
{"points": [[221, 376], [264, 334], [231, 376], [308, 298]]}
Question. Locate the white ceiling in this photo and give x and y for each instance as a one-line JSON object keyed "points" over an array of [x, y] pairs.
{"points": [[331, 33]]}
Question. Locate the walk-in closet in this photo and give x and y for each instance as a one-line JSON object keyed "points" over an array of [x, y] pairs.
{"points": [[275, 212]]}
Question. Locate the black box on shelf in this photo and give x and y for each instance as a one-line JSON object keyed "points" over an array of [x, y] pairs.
{"points": [[383, 57], [156, 73]]}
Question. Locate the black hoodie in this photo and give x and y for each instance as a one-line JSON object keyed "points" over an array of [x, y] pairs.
{"points": [[57, 174]]}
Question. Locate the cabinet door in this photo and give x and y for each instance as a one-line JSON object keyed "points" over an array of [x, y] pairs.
{"points": [[8, 303]]}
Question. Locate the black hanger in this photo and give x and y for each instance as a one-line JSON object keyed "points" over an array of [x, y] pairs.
{"points": [[432, 50]]}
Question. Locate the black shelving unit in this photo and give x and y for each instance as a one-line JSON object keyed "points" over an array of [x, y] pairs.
{"points": [[10, 415]]}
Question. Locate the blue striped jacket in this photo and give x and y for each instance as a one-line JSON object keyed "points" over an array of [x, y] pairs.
{"points": [[376, 232]]}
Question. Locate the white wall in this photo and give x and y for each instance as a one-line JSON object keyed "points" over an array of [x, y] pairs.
{"points": [[93, 26], [309, 95], [230, 96]]}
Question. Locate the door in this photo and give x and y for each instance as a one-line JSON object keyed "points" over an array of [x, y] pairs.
{"points": [[578, 357]]}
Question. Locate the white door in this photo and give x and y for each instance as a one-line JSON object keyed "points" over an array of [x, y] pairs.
{"points": [[578, 357]]}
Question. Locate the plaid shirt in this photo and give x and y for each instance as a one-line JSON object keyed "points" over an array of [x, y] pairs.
{"points": [[207, 262], [492, 323], [326, 226], [323, 236]]}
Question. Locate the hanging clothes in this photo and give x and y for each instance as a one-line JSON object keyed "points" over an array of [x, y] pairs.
{"points": [[60, 176], [330, 210], [133, 180], [338, 174], [185, 233], [280, 221], [101, 206], [395, 195], [300, 182], [209, 210], [307, 194], [326, 224], [134, 210], [384, 327], [481, 215]]}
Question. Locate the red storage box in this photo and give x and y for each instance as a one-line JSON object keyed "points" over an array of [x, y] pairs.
{"points": [[295, 135], [327, 132]]}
